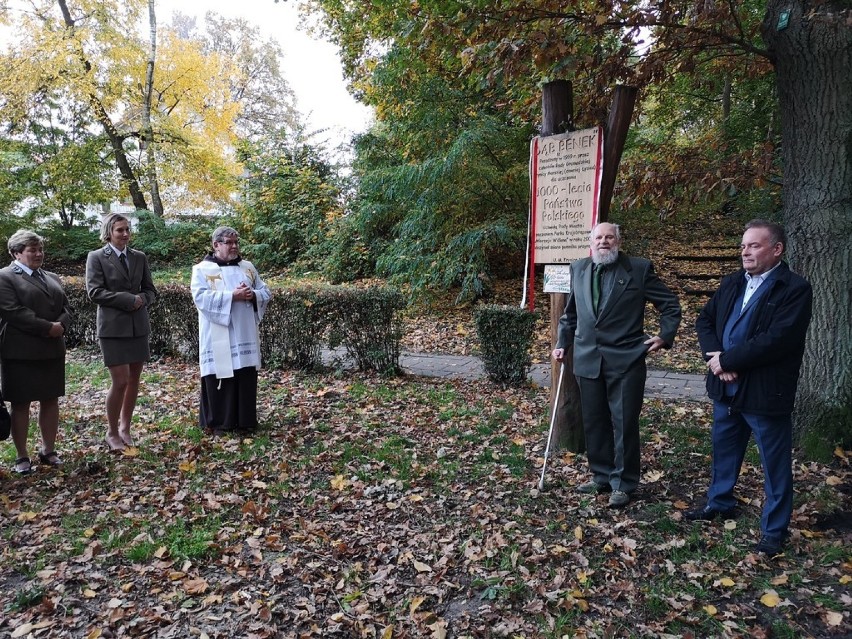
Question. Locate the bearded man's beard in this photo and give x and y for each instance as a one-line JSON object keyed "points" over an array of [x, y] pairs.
{"points": [[604, 257]]}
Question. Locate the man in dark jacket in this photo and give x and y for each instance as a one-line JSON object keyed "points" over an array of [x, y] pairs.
{"points": [[752, 333]]}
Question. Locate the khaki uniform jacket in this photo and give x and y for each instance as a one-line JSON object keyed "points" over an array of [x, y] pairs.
{"points": [[27, 309], [115, 291]]}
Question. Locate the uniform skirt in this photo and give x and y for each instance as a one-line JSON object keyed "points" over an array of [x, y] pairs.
{"points": [[32, 380], [124, 350]]}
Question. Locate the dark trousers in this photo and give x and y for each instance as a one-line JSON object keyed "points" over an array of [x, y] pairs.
{"points": [[610, 405], [774, 437], [229, 404]]}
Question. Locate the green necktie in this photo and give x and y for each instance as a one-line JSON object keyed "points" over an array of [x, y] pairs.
{"points": [[597, 277]]}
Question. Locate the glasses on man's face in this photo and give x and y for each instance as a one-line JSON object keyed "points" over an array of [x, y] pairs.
{"points": [[230, 242]]}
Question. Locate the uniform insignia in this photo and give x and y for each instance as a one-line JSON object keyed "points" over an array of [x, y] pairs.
{"points": [[18, 270], [107, 251]]}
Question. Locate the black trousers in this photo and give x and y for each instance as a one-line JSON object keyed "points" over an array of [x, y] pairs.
{"points": [[611, 405], [229, 404]]}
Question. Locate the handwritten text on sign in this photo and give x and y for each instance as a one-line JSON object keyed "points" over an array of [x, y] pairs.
{"points": [[566, 191]]}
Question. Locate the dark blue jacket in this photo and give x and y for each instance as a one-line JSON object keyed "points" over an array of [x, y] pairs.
{"points": [[769, 360]]}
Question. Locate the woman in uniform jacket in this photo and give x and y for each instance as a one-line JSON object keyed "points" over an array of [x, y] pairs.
{"points": [[119, 281], [34, 316]]}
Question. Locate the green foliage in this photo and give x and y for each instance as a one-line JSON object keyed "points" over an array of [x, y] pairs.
{"points": [[174, 242], [27, 598], [174, 322], [83, 328], [347, 255], [442, 182], [706, 138], [295, 326], [290, 197], [708, 127], [53, 164], [505, 337], [71, 244]]}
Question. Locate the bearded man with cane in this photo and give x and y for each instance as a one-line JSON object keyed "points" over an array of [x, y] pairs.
{"points": [[604, 320]]}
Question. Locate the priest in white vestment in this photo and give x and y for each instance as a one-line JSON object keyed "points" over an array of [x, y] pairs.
{"points": [[231, 299]]}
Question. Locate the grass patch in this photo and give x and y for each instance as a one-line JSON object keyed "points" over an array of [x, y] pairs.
{"points": [[191, 539], [26, 598], [85, 373]]}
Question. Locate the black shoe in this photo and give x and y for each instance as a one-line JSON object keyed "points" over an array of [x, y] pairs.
{"points": [[709, 514], [769, 546]]}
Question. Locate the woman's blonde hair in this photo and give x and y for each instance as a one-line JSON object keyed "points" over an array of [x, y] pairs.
{"points": [[108, 223]]}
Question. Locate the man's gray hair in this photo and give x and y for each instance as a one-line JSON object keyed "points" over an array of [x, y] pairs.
{"points": [[21, 239], [615, 226], [109, 222], [776, 231], [222, 232]]}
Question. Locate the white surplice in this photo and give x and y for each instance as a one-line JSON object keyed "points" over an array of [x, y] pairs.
{"points": [[228, 336]]}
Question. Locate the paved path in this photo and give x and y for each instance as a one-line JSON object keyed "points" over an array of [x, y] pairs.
{"points": [[660, 384]]}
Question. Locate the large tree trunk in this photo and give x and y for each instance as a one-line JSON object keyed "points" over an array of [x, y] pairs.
{"points": [[812, 55]]}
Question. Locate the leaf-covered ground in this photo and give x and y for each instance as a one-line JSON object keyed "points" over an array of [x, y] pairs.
{"points": [[392, 508]]}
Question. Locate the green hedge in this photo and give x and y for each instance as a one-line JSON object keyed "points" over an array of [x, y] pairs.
{"points": [[298, 322], [505, 337]]}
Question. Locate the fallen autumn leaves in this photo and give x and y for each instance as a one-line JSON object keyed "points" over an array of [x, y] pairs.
{"points": [[370, 507]]}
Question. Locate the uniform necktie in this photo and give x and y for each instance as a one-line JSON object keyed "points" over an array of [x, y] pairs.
{"points": [[123, 259], [597, 278], [40, 276]]}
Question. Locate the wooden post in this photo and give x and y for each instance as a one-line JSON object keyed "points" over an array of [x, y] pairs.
{"points": [[557, 117], [615, 135], [557, 104]]}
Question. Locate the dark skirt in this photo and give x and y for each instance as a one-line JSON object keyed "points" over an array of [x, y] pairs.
{"points": [[32, 380], [124, 350], [229, 404]]}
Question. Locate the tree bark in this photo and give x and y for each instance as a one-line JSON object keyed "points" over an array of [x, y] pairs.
{"points": [[116, 140], [148, 128], [615, 136], [557, 105], [812, 55]]}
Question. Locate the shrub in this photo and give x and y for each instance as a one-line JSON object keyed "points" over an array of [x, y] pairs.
{"points": [[180, 242], [297, 323], [505, 336], [346, 257], [83, 328], [368, 325], [69, 244], [174, 323]]}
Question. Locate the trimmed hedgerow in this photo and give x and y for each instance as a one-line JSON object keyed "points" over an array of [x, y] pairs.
{"points": [[298, 323]]}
